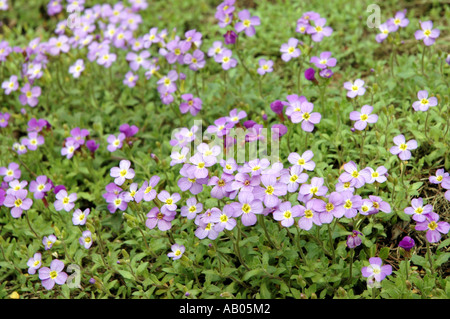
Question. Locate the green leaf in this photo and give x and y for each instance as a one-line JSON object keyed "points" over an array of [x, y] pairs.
{"points": [[418, 260]]}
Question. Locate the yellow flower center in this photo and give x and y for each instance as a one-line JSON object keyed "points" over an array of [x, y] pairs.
{"points": [[269, 190], [348, 204], [364, 117], [313, 190], [247, 23], [225, 59], [201, 165], [287, 214], [355, 88], [418, 210], [355, 174], [36, 263], [439, 178], [18, 202], [87, 240], [293, 178], [66, 200], [427, 33], [192, 209], [375, 174], [246, 208], [403, 147], [329, 207], [81, 217], [169, 201], [306, 116], [319, 28], [53, 274], [177, 51], [433, 225], [160, 216], [308, 213], [148, 189], [223, 218], [177, 252], [291, 49], [123, 172], [424, 101], [301, 161]]}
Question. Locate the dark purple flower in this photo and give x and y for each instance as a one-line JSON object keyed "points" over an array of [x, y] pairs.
{"points": [[310, 74], [230, 37], [128, 130], [354, 240], [92, 145], [407, 243]]}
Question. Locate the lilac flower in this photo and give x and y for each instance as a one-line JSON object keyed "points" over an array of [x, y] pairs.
{"points": [[4, 118], [15, 186], [65, 201], [376, 270], [116, 201], [427, 33], [5, 50], [424, 101], [439, 177], [399, 20], [363, 117], [352, 175], [379, 205], [106, 59], [79, 217], [371, 176], [244, 182], [138, 60], [366, 207], [79, 135], [69, 149], [354, 239], [309, 215], [324, 60], [167, 82], [189, 182], [77, 68], [190, 104], [30, 95], [34, 263], [48, 241], [130, 79], [352, 203], [402, 148], [33, 141], [225, 59], [247, 208], [206, 230], [433, 227], [115, 142], [219, 190], [217, 48], [199, 169], [289, 50], [247, 23], [319, 30], [285, 214], [58, 45], [196, 60], [177, 251], [229, 166], [326, 73], [407, 243], [417, 210], [86, 239], [294, 178], [128, 130], [147, 192], [191, 209], [235, 116], [304, 115], [4, 5], [168, 200], [273, 189], [354, 89], [334, 206], [40, 186], [223, 219], [19, 202], [52, 275], [265, 66], [304, 161], [122, 173], [385, 29], [10, 85], [256, 166], [162, 220], [316, 188], [11, 172]]}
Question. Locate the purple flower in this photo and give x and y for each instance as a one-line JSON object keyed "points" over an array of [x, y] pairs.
{"points": [[34, 263], [334, 206], [247, 208], [191, 209], [199, 169], [424, 101], [58, 45], [4, 117], [147, 192], [10, 85], [351, 204], [33, 141], [130, 79], [86, 239], [402, 148], [352, 175], [247, 23], [304, 161], [191, 104], [69, 149], [324, 60], [310, 74], [177, 251], [128, 130], [106, 59], [189, 182], [376, 270], [407, 243], [289, 50], [11, 172], [418, 211], [206, 230], [30, 95], [370, 176], [79, 217], [272, 190], [92, 145], [48, 241], [65, 201], [223, 219], [225, 59], [399, 20], [354, 89], [79, 135], [427, 33], [385, 29], [354, 240], [309, 215], [115, 142], [122, 173], [167, 83], [230, 37], [265, 66], [285, 214], [137, 60], [162, 220], [379, 205], [18, 201], [326, 73], [52, 275], [363, 117], [196, 60], [221, 185], [305, 116], [433, 227], [439, 177], [169, 200], [319, 30], [40, 186], [316, 188], [116, 201], [77, 68]]}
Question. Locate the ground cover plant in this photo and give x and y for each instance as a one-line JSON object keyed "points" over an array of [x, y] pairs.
{"points": [[235, 149]]}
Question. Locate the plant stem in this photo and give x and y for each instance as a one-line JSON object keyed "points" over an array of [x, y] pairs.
{"points": [[330, 235], [29, 225], [263, 224], [430, 260], [299, 75], [423, 58]]}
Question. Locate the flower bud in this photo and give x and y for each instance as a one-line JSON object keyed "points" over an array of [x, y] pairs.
{"points": [[230, 37]]}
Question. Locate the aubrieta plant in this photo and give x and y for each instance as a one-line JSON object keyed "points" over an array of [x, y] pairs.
{"points": [[224, 149]]}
